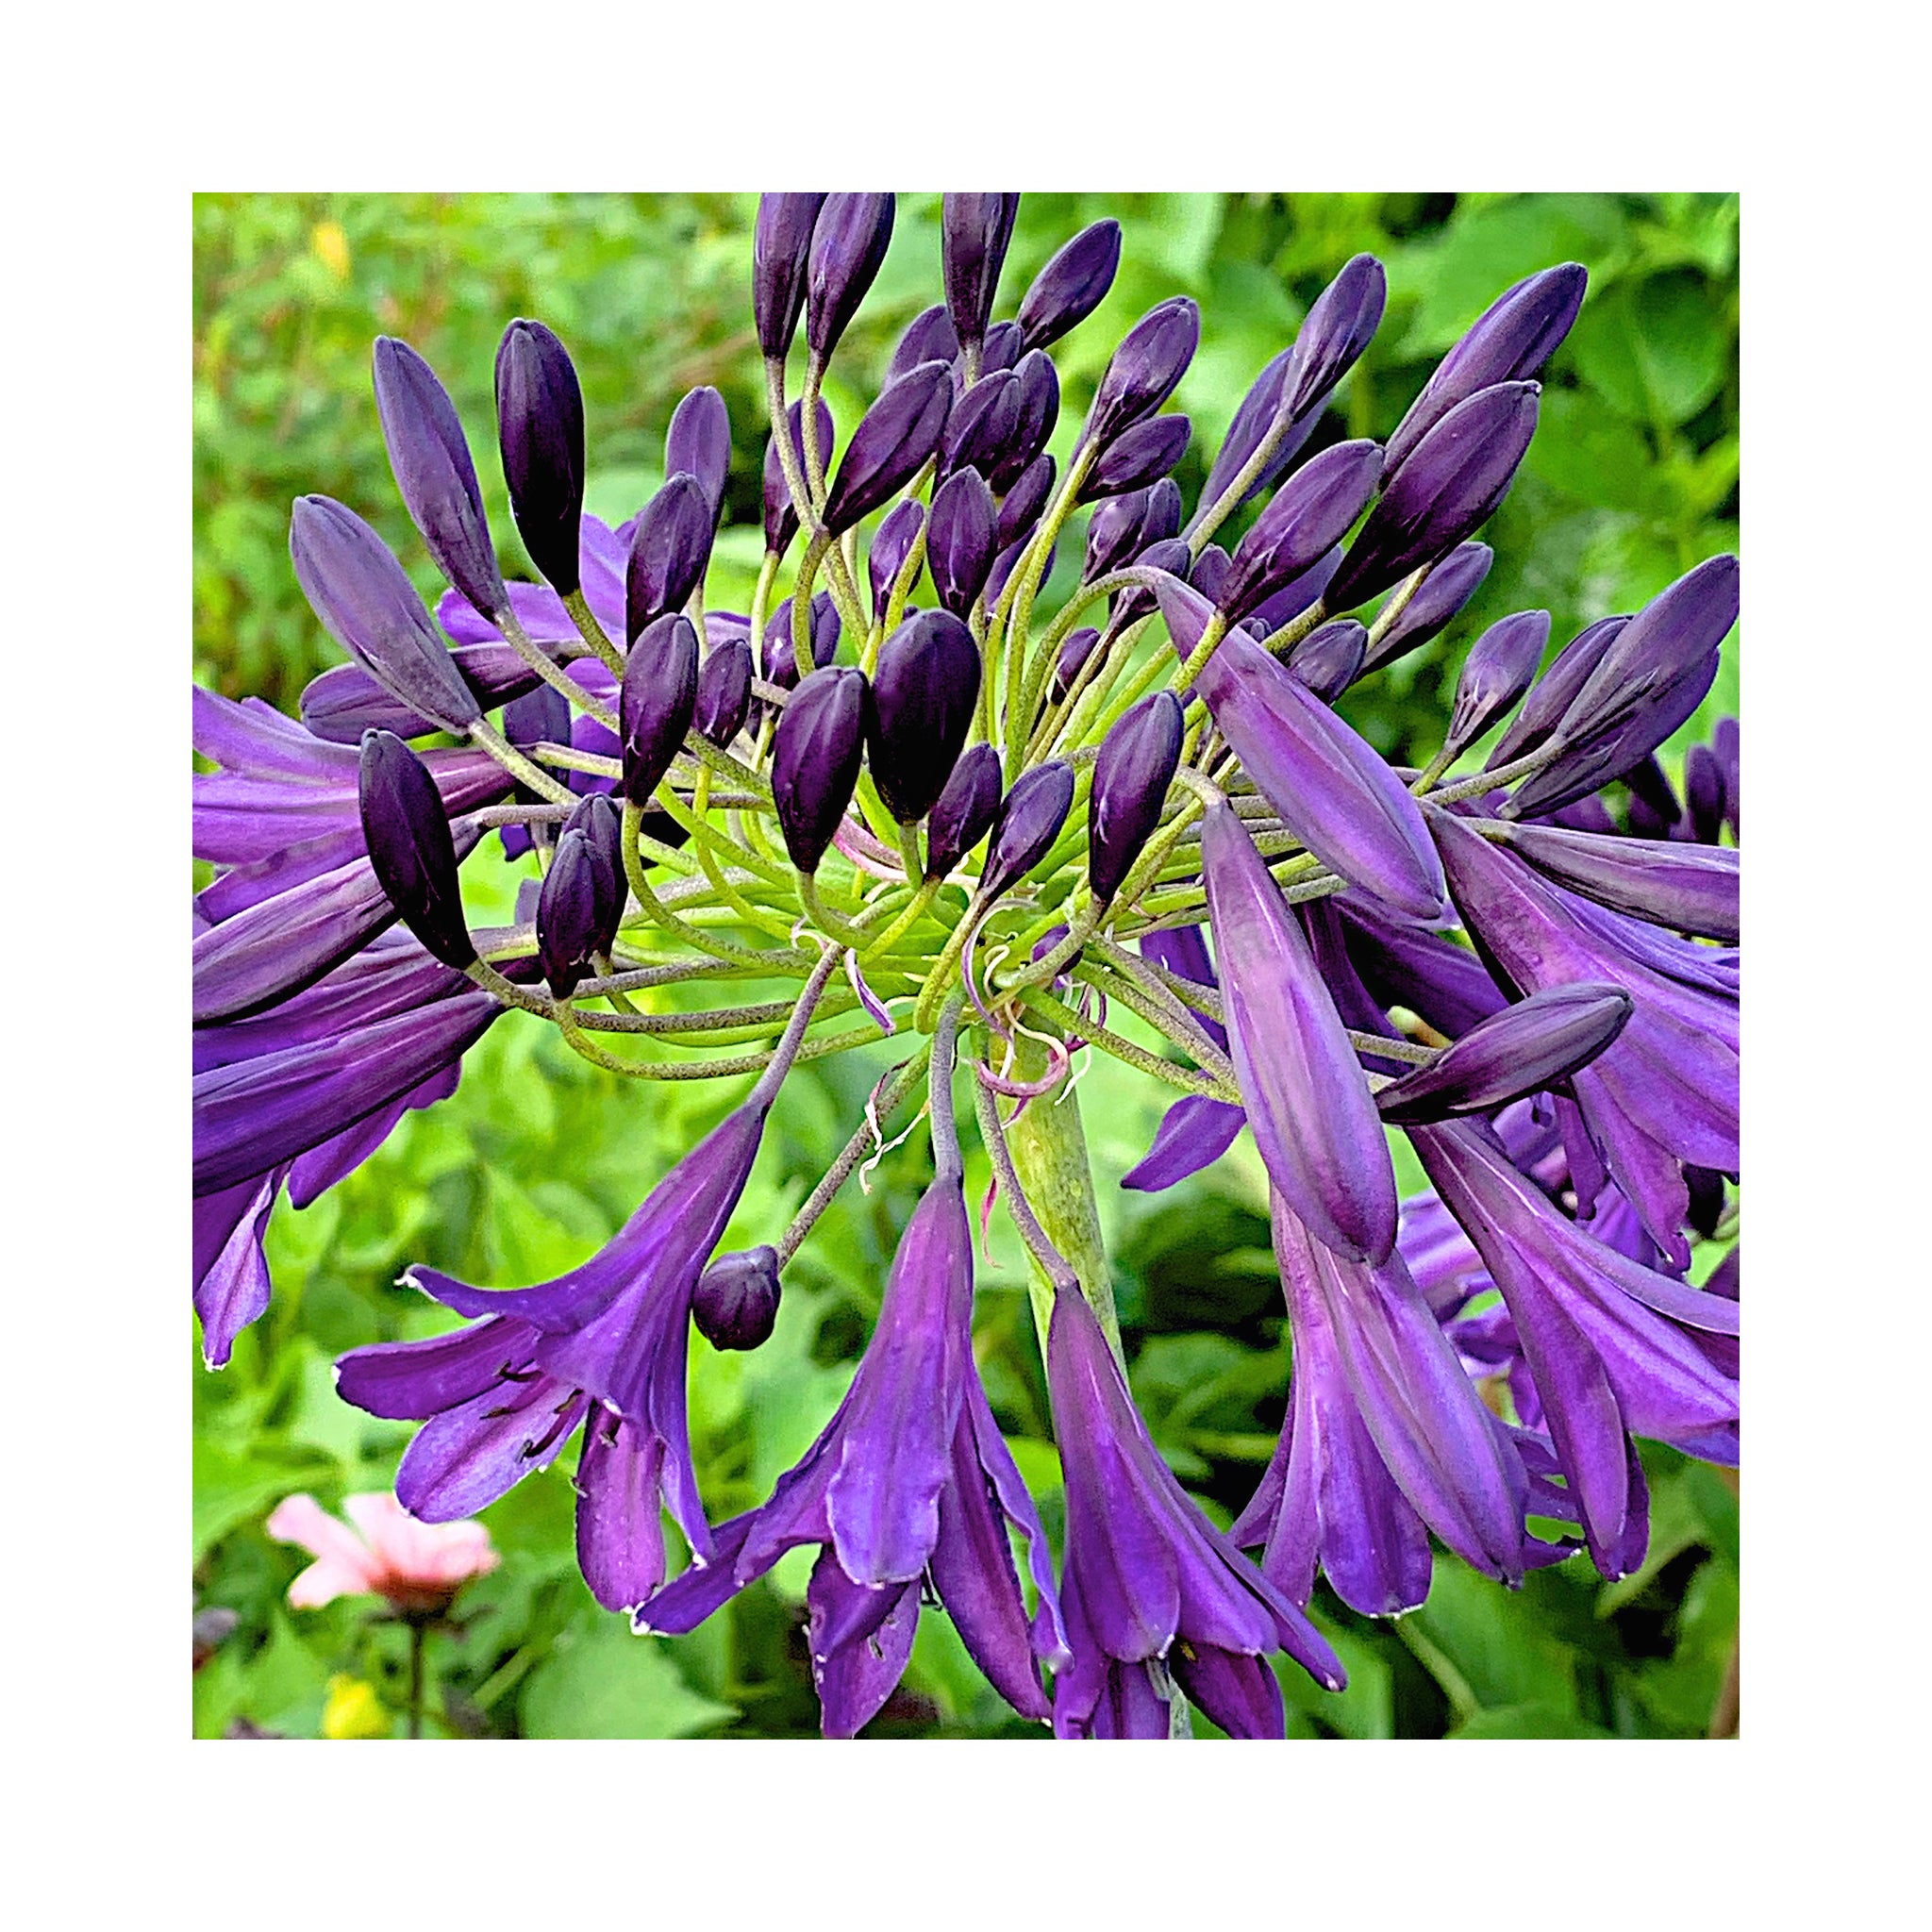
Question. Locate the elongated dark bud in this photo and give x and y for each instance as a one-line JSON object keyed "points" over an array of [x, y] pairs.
{"points": [[367, 605], [540, 429], [780, 516], [889, 549], [980, 426], [780, 248], [581, 901], [1339, 326], [965, 810], [1030, 819], [1308, 514], [892, 440], [1023, 505], [736, 1304], [407, 834], [1329, 658], [1458, 475], [924, 686], [1145, 371], [1037, 410], [930, 337], [1071, 286], [959, 546], [1139, 456], [724, 699], [815, 759], [1495, 674], [1525, 1049], [974, 232], [434, 474], [1131, 775], [781, 654], [699, 442], [1071, 661], [669, 551], [848, 244], [1447, 588], [656, 702], [1554, 692]]}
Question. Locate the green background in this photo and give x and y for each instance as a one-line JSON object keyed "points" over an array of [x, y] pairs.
{"points": [[1631, 479]]}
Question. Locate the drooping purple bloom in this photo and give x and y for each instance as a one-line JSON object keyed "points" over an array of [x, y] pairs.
{"points": [[1332, 790], [604, 1342], [909, 1483], [539, 426], [434, 474], [1455, 477], [1304, 1091], [1510, 342], [1153, 1594], [1610, 1342], [1385, 1439], [1071, 286]]}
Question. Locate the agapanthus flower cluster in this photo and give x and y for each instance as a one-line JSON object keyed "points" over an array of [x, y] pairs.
{"points": [[905, 799]]}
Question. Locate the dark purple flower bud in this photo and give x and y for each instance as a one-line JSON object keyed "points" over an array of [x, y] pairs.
{"points": [[344, 701], [781, 519], [815, 759], [1459, 472], [1554, 691], [848, 244], [1524, 1049], [974, 233], [699, 442], [1496, 673], [1309, 515], [539, 431], [1145, 371], [1725, 742], [1253, 418], [1113, 534], [1074, 652], [1653, 808], [959, 547], [1445, 591], [1340, 326], [1137, 455], [724, 692], [1037, 411], [1510, 342], [1131, 775], [1025, 501], [979, 429], [669, 550], [1703, 796], [1007, 561], [570, 905], [736, 1303], [1210, 572], [538, 717], [367, 605], [1029, 821], [1296, 596], [965, 810], [781, 245], [924, 690], [889, 550], [893, 439], [1653, 675], [929, 338], [781, 653], [656, 702], [1132, 606], [408, 833], [1687, 887], [1005, 344], [433, 474], [1333, 790], [1071, 286], [1329, 658]]}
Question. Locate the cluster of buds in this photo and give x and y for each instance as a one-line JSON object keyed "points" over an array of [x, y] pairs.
{"points": [[929, 811]]}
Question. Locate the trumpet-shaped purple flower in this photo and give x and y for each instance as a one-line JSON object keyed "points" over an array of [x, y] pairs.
{"points": [[909, 1483], [1152, 1592]]}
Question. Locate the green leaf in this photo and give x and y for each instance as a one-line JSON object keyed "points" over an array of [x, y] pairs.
{"points": [[230, 1488], [1656, 351], [1486, 1646], [1366, 1708], [1527, 1720], [602, 1682]]}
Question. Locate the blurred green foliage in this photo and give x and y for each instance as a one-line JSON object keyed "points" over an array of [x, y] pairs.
{"points": [[539, 1156]]}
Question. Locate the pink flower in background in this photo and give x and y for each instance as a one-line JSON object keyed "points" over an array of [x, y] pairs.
{"points": [[418, 1566]]}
